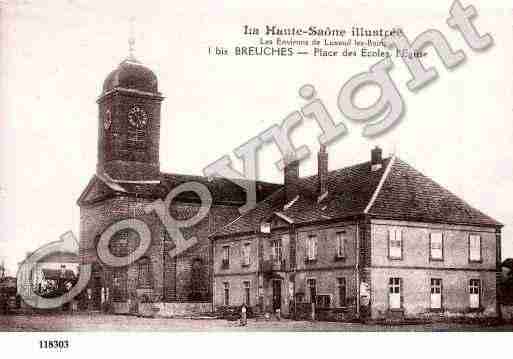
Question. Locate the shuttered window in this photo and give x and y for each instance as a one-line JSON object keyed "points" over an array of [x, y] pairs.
{"points": [[312, 247], [395, 243], [341, 244], [246, 254], [475, 247], [436, 246]]}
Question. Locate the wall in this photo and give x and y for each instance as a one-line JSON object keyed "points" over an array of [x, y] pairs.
{"points": [[416, 245], [236, 273], [326, 269], [416, 291], [235, 265], [172, 279], [236, 289], [416, 268], [180, 309], [94, 220], [326, 247]]}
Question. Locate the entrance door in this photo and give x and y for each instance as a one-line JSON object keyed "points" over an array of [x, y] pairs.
{"points": [[276, 294], [96, 293], [394, 290], [436, 293], [475, 291]]}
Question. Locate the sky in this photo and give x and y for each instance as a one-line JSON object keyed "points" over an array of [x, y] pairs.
{"points": [[54, 56]]}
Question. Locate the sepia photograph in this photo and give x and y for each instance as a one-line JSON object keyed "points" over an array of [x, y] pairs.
{"points": [[336, 167]]}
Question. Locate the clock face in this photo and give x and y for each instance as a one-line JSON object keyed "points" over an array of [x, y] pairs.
{"points": [[137, 117], [107, 120]]}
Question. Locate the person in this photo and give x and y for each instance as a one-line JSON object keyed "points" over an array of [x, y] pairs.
{"points": [[243, 315]]}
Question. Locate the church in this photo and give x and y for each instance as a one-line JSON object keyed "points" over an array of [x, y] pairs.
{"points": [[128, 178], [374, 239]]}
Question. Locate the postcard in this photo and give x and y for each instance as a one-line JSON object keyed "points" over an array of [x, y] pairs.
{"points": [[254, 167]]}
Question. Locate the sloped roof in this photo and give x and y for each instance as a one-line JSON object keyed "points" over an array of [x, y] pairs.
{"points": [[223, 191], [349, 191], [409, 195], [395, 191]]}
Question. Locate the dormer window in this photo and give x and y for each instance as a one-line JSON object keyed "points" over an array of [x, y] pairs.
{"points": [[265, 227]]}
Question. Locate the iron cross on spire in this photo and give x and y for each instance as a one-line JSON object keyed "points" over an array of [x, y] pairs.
{"points": [[131, 39]]}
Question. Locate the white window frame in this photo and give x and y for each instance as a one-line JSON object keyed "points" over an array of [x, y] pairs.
{"points": [[341, 244], [226, 289], [246, 254], [435, 290], [311, 248], [225, 261], [474, 291], [394, 293], [474, 248], [276, 250], [395, 235], [246, 289], [434, 239]]}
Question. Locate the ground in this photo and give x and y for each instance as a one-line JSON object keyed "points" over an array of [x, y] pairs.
{"points": [[103, 322]]}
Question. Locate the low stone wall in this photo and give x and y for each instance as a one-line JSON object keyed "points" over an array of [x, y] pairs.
{"points": [[181, 309], [304, 312], [164, 309], [120, 308]]}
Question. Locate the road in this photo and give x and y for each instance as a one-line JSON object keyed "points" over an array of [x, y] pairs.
{"points": [[103, 322]]}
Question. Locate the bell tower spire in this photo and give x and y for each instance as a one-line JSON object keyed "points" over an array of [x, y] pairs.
{"points": [[129, 126], [131, 40]]}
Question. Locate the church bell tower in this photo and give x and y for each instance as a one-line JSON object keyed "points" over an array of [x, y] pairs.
{"points": [[129, 123]]}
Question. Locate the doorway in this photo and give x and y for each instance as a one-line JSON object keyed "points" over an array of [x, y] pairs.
{"points": [[276, 294]]}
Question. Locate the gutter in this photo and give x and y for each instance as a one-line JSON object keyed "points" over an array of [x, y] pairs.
{"points": [[357, 270]]}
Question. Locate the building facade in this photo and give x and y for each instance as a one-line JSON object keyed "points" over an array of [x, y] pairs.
{"points": [[127, 180], [374, 239], [377, 239]]}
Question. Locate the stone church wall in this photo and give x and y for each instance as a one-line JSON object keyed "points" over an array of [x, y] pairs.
{"points": [[186, 278]]}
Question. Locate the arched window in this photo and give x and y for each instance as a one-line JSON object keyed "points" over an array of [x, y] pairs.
{"points": [[144, 273], [124, 242], [197, 285]]}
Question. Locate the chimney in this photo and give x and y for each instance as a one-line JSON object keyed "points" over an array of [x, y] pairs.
{"points": [[322, 170], [376, 160], [291, 178]]}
